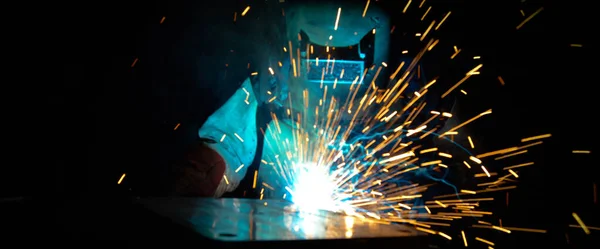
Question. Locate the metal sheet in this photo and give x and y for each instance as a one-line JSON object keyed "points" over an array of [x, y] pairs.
{"points": [[267, 220]]}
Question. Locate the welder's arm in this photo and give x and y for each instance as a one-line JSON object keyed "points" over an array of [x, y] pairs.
{"points": [[219, 163]]}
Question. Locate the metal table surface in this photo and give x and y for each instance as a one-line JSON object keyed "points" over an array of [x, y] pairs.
{"points": [[267, 220]]}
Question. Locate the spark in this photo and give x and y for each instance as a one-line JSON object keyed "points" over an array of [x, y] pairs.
{"points": [[426, 12], [406, 7], [134, 62], [501, 80], [239, 168], [581, 152], [580, 222], [443, 20], [246, 11], [485, 241], [513, 173], [529, 18], [471, 142], [366, 8], [337, 19], [225, 178], [535, 138], [255, 177], [121, 179]]}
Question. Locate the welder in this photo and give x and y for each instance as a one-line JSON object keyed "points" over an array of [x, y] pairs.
{"points": [[231, 143], [227, 71]]}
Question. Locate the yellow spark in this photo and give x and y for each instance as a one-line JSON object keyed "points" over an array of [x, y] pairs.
{"points": [[426, 12], [428, 150], [406, 7], [433, 45], [535, 138], [464, 92], [464, 238], [226, 181], [512, 172], [444, 155], [455, 54], [471, 142], [404, 206], [177, 126], [475, 159], [337, 19], [501, 229], [518, 166], [246, 10], [426, 230], [366, 8], [442, 21], [467, 164], [462, 80], [162, 19], [576, 45], [485, 241], [581, 152], [441, 204], [529, 17], [427, 30], [121, 179], [445, 235], [255, 177], [468, 191], [585, 229], [223, 137]]}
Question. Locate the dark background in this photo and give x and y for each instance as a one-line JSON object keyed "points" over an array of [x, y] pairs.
{"points": [[101, 118]]}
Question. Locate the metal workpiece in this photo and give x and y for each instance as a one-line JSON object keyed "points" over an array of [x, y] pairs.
{"points": [[240, 220]]}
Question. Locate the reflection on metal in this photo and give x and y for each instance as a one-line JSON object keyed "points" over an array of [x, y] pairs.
{"points": [[267, 220]]}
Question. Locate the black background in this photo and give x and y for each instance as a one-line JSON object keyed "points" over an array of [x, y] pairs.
{"points": [[101, 118]]}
